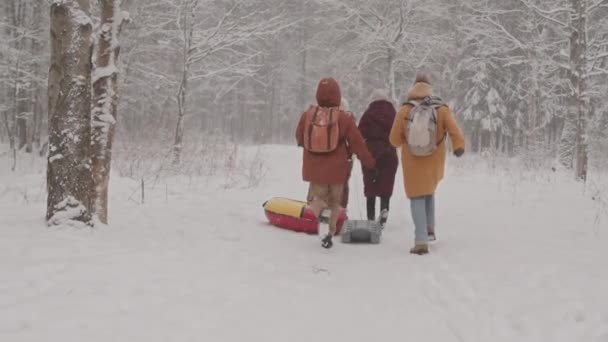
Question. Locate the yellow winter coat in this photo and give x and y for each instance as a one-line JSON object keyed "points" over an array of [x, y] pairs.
{"points": [[421, 175]]}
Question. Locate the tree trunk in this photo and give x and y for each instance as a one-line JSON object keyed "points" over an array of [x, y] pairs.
{"points": [[8, 126], [105, 102], [11, 125], [37, 120], [179, 126], [479, 140], [567, 142], [69, 181], [21, 131], [391, 76], [302, 96], [578, 78], [188, 30], [36, 93]]}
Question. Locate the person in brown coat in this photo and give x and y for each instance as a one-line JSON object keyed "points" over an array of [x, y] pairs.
{"points": [[327, 172], [422, 175], [346, 189]]}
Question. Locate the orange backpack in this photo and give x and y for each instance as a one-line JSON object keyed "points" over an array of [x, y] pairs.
{"points": [[321, 129]]}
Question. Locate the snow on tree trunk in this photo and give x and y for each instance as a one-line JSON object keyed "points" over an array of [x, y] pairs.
{"points": [[69, 181], [105, 102], [567, 142]]}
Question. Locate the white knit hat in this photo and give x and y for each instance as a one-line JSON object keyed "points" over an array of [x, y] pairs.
{"points": [[379, 95]]}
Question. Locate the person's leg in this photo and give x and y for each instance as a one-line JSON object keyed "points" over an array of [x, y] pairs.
{"points": [[430, 216], [384, 208], [418, 208], [385, 203], [319, 204], [346, 189], [309, 196], [371, 208], [334, 199]]}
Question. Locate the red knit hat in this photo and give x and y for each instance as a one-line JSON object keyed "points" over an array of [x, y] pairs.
{"points": [[328, 93]]}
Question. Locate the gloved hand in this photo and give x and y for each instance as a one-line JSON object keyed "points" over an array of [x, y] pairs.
{"points": [[459, 152], [375, 175]]}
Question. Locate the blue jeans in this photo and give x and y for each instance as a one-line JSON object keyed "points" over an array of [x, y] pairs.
{"points": [[423, 213]]}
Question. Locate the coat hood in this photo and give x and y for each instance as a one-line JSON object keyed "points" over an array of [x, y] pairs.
{"points": [[382, 112], [328, 93]]}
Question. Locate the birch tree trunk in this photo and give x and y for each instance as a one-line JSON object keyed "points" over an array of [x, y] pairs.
{"points": [[69, 181], [105, 102]]}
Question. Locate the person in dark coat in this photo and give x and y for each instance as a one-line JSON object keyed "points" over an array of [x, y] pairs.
{"points": [[375, 126]]}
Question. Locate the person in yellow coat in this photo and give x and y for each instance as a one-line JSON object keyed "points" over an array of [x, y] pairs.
{"points": [[423, 162]]}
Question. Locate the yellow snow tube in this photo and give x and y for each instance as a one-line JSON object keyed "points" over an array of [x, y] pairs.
{"points": [[295, 215], [285, 206]]}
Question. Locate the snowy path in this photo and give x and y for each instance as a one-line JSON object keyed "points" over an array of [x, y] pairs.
{"points": [[515, 260]]}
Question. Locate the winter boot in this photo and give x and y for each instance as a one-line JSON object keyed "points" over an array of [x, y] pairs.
{"points": [[383, 217], [323, 226], [420, 249], [431, 233], [326, 242], [324, 229]]}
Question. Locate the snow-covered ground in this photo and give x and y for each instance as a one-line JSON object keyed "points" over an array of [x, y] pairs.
{"points": [[520, 257]]}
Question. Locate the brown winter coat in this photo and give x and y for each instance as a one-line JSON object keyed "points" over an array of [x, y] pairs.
{"points": [[333, 167], [421, 175]]}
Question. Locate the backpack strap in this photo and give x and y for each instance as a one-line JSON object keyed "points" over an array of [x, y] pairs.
{"points": [[349, 151], [329, 127], [437, 106], [425, 102], [311, 124], [442, 139], [411, 103]]}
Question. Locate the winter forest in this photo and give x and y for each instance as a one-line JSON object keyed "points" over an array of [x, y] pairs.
{"points": [[167, 113], [524, 80]]}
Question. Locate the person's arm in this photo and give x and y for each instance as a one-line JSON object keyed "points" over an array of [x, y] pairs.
{"points": [[364, 126], [300, 130], [397, 135], [454, 132], [358, 145]]}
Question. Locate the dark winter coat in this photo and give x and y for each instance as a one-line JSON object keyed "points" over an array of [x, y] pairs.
{"points": [[375, 126], [333, 167]]}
